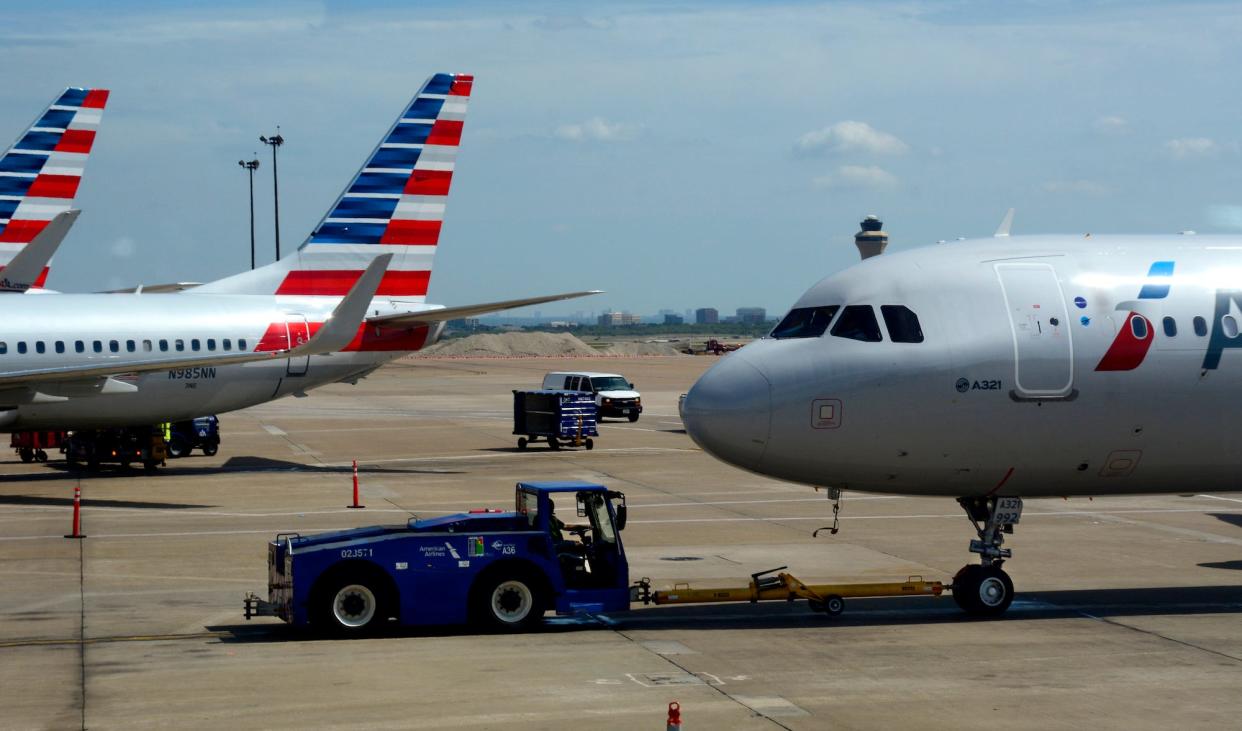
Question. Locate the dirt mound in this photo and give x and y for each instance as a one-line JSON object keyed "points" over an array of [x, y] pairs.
{"points": [[630, 349], [512, 344]]}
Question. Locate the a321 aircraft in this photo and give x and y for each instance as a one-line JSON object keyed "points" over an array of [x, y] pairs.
{"points": [[995, 369], [346, 302], [39, 178]]}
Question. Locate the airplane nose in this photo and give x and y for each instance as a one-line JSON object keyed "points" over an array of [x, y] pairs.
{"points": [[728, 411]]}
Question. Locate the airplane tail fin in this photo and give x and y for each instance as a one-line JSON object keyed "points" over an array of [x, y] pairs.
{"points": [[40, 173], [393, 205]]}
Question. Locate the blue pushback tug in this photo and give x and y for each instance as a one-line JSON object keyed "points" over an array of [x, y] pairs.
{"points": [[500, 569]]}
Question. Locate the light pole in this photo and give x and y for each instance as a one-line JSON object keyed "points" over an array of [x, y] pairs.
{"points": [[275, 141], [251, 166]]}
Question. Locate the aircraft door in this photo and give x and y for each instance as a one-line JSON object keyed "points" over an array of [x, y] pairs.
{"points": [[1039, 321], [299, 332]]}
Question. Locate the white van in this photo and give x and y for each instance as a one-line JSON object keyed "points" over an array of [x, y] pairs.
{"points": [[614, 394]]}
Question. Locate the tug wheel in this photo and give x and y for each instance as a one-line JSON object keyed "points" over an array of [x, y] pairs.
{"points": [[522, 443], [982, 591], [509, 601], [350, 604]]}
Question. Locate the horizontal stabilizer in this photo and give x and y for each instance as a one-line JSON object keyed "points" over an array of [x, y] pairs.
{"points": [[29, 263], [444, 314], [337, 332]]}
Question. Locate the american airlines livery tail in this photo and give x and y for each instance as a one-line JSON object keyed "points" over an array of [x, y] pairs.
{"points": [[40, 174], [992, 370], [348, 301]]}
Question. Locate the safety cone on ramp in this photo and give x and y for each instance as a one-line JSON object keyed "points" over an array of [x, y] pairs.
{"points": [[674, 717], [356, 504], [77, 513]]}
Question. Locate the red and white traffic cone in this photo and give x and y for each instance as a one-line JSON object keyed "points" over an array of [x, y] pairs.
{"points": [[77, 513], [674, 717], [356, 505]]}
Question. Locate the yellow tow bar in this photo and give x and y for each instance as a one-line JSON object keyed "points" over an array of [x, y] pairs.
{"points": [[784, 586]]}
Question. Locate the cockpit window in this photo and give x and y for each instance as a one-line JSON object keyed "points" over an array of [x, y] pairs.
{"points": [[805, 322], [857, 322], [903, 325]]}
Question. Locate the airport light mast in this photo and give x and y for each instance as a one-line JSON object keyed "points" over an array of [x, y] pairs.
{"points": [[275, 141], [251, 166]]}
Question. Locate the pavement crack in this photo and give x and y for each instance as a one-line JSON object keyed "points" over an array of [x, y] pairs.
{"points": [[1158, 635], [717, 688], [82, 628]]}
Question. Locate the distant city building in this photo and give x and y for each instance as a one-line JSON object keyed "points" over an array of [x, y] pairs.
{"points": [[752, 315], [469, 323], [671, 319], [706, 316], [614, 319], [567, 324]]}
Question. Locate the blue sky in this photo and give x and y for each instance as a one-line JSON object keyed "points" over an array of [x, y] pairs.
{"points": [[675, 154]]}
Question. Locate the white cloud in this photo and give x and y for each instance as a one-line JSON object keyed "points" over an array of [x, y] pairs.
{"points": [[1075, 187], [1111, 125], [1186, 148], [850, 136], [1226, 216], [124, 248], [858, 176], [598, 129]]}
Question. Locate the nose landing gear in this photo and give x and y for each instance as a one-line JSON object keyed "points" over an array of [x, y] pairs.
{"points": [[984, 589]]}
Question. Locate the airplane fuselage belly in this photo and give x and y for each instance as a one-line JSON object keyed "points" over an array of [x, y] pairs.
{"points": [[50, 329], [984, 406]]}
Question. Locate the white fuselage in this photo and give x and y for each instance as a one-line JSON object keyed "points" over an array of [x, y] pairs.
{"points": [[998, 398], [63, 330]]}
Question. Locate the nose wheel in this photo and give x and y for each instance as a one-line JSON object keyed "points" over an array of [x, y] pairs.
{"points": [[984, 589]]}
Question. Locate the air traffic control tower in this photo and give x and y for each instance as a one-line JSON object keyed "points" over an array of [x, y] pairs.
{"points": [[871, 240]]}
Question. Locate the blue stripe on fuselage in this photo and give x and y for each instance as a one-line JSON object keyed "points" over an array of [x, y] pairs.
{"points": [[1157, 290]]}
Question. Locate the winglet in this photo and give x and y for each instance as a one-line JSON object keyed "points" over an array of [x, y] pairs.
{"points": [[341, 327], [25, 268], [1003, 229]]}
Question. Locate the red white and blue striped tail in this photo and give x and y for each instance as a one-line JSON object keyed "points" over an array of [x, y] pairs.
{"points": [[394, 205], [40, 173]]}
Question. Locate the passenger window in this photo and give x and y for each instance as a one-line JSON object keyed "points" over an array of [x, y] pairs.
{"points": [[131, 346], [146, 346], [180, 345], [163, 346], [98, 346], [1170, 327], [228, 344], [4, 347], [114, 346], [60, 346], [241, 344], [211, 343], [857, 322], [1138, 326], [902, 323], [805, 322], [79, 346], [1200, 326], [21, 347], [39, 347], [194, 344], [1229, 325]]}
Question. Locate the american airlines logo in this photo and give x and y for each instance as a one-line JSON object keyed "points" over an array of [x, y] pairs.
{"points": [[1136, 335]]}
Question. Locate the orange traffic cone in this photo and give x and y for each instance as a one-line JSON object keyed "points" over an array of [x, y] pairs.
{"points": [[77, 513], [356, 505]]}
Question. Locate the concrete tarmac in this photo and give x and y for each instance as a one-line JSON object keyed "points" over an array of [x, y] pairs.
{"points": [[1127, 614]]}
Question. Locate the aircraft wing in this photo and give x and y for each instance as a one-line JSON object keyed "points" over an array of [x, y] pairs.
{"points": [[337, 331], [444, 314], [25, 268], [165, 288]]}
